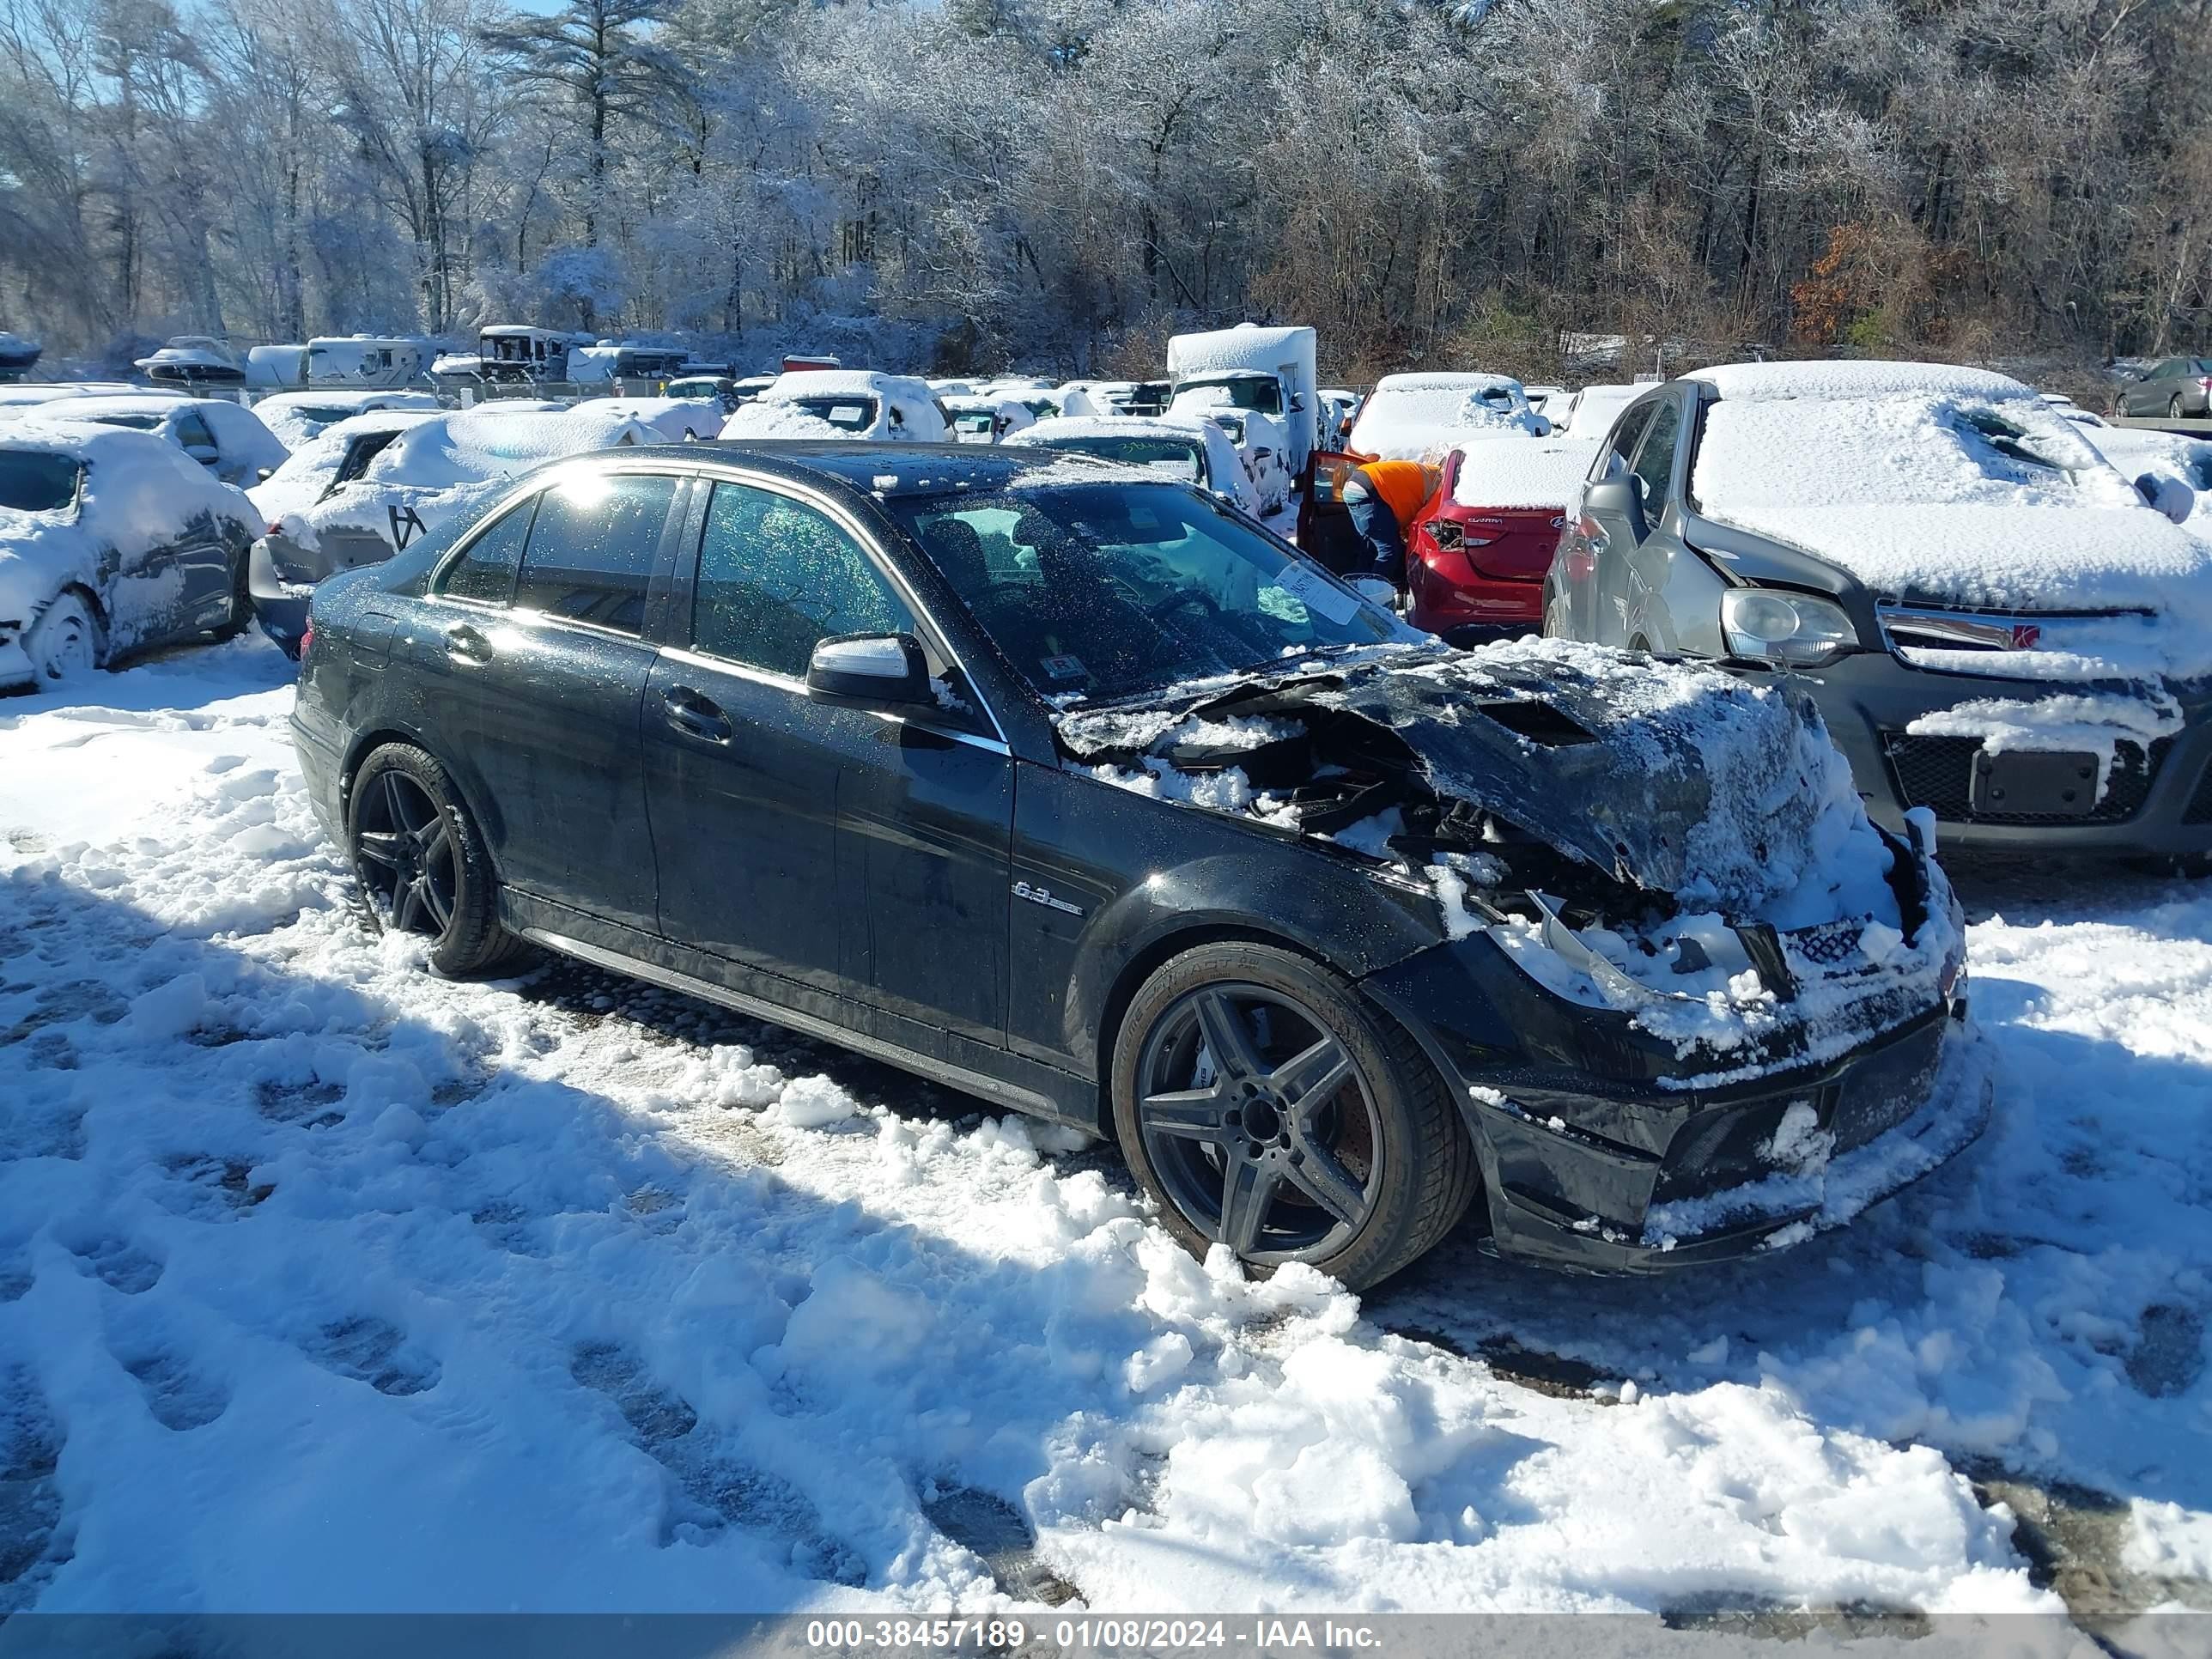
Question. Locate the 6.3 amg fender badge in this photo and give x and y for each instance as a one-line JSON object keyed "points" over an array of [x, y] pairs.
{"points": [[1043, 896]]}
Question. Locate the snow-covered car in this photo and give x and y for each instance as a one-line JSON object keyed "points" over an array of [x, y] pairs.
{"points": [[226, 438], [1339, 409], [1191, 450], [1338, 932], [2161, 463], [973, 420], [707, 388], [368, 488], [22, 395], [193, 361], [111, 542], [841, 402], [1262, 440], [1999, 628], [1417, 417], [675, 420], [1477, 553], [297, 417]]}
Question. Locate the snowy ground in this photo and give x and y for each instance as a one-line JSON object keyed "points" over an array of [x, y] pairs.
{"points": [[327, 1285]]}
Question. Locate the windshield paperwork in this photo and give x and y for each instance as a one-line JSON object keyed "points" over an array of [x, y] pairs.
{"points": [[845, 414], [1098, 591]]}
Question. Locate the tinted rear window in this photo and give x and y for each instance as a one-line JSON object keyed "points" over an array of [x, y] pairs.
{"points": [[592, 548], [1172, 455], [34, 481]]}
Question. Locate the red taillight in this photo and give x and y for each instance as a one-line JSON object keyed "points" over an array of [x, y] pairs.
{"points": [[306, 639], [1580, 566], [274, 529]]}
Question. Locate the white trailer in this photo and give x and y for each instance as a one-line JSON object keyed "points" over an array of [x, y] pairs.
{"points": [[364, 361], [1230, 357]]}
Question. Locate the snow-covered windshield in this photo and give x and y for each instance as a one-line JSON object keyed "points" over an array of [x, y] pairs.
{"points": [[1258, 392], [36, 480], [1181, 459], [1103, 591], [845, 414]]}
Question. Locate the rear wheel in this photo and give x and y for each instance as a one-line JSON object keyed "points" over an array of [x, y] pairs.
{"points": [[67, 643], [1265, 1106], [2173, 407], [422, 865]]}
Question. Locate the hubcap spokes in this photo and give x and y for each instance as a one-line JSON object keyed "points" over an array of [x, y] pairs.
{"points": [[1250, 1133], [406, 853]]}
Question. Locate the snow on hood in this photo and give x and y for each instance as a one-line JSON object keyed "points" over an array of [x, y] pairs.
{"points": [[1965, 495], [1746, 382], [297, 484], [1532, 473], [141, 493]]}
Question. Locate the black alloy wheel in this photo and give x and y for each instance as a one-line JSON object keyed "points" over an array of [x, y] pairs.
{"points": [[1265, 1107], [404, 850], [422, 865]]}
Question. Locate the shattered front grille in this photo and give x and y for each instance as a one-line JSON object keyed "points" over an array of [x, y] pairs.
{"points": [[1830, 945], [1938, 773]]}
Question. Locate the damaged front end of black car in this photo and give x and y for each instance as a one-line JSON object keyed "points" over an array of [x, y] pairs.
{"points": [[1691, 1003]]}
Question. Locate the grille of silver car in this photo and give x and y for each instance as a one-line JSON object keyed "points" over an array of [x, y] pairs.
{"points": [[1909, 627]]}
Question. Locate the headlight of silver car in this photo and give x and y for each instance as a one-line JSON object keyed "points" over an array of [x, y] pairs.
{"points": [[1793, 631]]}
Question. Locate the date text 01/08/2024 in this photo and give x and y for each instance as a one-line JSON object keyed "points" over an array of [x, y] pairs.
{"points": [[1110, 1633]]}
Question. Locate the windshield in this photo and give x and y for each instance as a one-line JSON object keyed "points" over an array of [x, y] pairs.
{"points": [[1254, 391], [328, 414], [1178, 457], [1106, 590], [36, 480], [136, 422], [845, 414]]}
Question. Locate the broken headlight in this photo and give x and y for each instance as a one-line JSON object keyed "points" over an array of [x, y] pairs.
{"points": [[1791, 630]]}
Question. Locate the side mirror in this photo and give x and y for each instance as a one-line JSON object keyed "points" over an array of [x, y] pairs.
{"points": [[1617, 502], [2170, 496], [870, 671], [264, 474], [1298, 405]]}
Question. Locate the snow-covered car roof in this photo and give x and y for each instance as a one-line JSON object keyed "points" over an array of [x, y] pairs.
{"points": [[764, 419], [1947, 485], [674, 418], [297, 417], [239, 432], [1416, 416], [1744, 381], [140, 492], [93, 406], [1539, 472], [15, 396]]}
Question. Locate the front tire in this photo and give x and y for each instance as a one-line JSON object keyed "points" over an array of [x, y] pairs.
{"points": [[1264, 1105], [67, 644], [422, 862]]}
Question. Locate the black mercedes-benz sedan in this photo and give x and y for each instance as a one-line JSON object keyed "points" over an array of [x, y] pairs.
{"points": [[1066, 784]]}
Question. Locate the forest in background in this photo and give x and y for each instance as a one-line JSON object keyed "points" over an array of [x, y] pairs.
{"points": [[1061, 184]]}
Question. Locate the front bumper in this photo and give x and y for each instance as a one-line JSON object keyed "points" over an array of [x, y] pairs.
{"points": [[2159, 803], [1601, 1152]]}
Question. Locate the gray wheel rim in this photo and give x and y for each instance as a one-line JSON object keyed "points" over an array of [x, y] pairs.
{"points": [[404, 851], [1260, 1125]]}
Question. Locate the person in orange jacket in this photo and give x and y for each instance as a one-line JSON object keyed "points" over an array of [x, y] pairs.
{"points": [[1383, 498]]}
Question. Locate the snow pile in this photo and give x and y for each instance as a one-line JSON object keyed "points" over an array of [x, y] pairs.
{"points": [[1967, 490], [1543, 472], [141, 494]]}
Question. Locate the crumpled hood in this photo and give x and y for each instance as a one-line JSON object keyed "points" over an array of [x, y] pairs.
{"points": [[1679, 779]]}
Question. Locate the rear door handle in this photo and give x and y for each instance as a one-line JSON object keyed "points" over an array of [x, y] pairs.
{"points": [[464, 643], [702, 716]]}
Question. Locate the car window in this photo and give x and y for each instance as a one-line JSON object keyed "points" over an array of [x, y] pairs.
{"points": [[360, 451], [776, 575], [37, 481], [193, 428], [486, 569], [592, 547], [1655, 459], [1613, 457]]}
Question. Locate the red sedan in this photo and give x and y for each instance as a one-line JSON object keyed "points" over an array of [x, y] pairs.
{"points": [[1475, 556]]}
